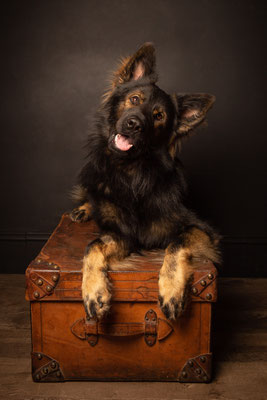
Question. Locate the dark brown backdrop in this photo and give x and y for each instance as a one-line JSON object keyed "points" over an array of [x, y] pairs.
{"points": [[54, 62]]}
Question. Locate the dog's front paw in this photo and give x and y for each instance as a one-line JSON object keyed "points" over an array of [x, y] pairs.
{"points": [[96, 293], [172, 296], [81, 214]]}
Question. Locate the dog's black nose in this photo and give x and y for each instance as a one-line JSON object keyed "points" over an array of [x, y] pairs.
{"points": [[134, 125]]}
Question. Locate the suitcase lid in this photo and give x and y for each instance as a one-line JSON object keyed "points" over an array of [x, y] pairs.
{"points": [[55, 274]]}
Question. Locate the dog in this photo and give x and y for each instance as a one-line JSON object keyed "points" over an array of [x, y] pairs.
{"points": [[133, 185]]}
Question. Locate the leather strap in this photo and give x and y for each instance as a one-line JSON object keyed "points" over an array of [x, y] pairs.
{"points": [[152, 328]]}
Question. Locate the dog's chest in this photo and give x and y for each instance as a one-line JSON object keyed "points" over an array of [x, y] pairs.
{"points": [[136, 341]]}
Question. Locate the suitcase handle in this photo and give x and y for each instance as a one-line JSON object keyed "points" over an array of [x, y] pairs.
{"points": [[152, 328]]}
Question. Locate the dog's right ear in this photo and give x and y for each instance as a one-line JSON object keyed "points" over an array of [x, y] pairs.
{"points": [[139, 65]]}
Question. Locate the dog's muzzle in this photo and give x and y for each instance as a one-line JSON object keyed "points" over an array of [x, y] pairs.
{"points": [[129, 129]]}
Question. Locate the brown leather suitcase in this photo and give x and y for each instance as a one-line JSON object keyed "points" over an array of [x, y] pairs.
{"points": [[135, 342]]}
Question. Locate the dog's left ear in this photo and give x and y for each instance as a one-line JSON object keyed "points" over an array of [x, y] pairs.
{"points": [[140, 64], [191, 110]]}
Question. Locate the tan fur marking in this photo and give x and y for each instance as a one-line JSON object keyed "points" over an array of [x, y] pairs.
{"points": [[200, 246], [106, 188], [121, 108], [178, 267], [96, 287], [108, 211], [82, 213], [113, 250], [174, 146], [140, 94], [127, 104], [161, 121], [173, 281], [119, 76], [95, 259], [87, 208], [184, 128], [160, 228]]}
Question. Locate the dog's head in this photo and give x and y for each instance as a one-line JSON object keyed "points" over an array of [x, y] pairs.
{"points": [[141, 116]]}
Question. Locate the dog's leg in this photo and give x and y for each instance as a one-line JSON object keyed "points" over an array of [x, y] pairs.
{"points": [[96, 287], [82, 213], [178, 266]]}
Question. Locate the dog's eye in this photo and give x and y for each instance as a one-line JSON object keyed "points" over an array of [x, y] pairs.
{"points": [[135, 100], [158, 116]]}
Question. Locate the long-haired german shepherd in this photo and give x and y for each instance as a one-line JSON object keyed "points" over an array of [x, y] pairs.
{"points": [[133, 185]]}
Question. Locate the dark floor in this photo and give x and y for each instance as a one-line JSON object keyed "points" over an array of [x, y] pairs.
{"points": [[240, 352]]}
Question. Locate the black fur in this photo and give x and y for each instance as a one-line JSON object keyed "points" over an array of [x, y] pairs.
{"points": [[144, 185]]}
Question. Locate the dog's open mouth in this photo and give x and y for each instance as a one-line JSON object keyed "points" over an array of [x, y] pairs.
{"points": [[122, 142]]}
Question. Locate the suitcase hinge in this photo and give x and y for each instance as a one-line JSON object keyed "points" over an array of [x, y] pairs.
{"points": [[45, 368], [204, 288], [42, 279], [197, 369]]}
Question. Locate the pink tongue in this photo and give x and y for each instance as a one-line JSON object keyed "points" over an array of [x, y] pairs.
{"points": [[122, 142]]}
